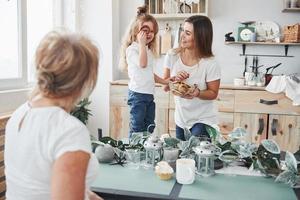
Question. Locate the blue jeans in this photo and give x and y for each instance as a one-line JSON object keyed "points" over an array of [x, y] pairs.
{"points": [[142, 111], [198, 130]]}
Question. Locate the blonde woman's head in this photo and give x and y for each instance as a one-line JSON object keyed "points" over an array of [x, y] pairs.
{"points": [[136, 25], [66, 66]]}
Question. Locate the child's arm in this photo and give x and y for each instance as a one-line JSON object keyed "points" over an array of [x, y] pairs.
{"points": [[141, 37], [157, 79]]}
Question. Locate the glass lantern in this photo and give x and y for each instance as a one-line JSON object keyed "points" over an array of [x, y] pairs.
{"points": [[153, 147], [205, 158]]}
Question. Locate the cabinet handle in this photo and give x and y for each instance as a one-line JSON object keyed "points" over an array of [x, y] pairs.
{"points": [[274, 127], [290, 126], [246, 126], [261, 126], [268, 102]]}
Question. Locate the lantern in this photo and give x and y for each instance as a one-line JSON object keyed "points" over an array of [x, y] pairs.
{"points": [[153, 147], [205, 158]]}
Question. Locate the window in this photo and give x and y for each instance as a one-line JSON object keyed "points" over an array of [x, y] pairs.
{"points": [[25, 22]]}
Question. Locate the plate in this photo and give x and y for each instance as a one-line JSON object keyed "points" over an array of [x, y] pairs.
{"points": [[267, 31]]}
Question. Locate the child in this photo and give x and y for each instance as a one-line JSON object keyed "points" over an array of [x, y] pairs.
{"points": [[194, 63], [137, 56]]}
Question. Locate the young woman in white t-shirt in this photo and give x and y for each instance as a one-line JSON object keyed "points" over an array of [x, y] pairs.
{"points": [[193, 62], [48, 152], [137, 57]]}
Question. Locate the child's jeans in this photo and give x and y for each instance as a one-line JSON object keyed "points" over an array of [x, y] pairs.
{"points": [[198, 130], [142, 111]]}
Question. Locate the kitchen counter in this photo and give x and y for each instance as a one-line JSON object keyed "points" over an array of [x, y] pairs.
{"points": [[225, 86]]}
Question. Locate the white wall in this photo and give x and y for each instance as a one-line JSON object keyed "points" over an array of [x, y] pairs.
{"points": [[225, 15], [96, 19]]}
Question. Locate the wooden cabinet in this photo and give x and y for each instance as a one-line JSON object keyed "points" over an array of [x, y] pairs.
{"points": [[119, 110], [278, 121], [285, 130], [238, 107], [254, 124]]}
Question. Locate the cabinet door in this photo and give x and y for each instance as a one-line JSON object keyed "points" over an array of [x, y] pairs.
{"points": [[254, 124], [225, 122], [285, 130], [172, 125], [119, 122], [119, 111], [225, 100]]}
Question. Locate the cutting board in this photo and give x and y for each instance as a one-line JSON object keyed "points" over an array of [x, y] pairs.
{"points": [[157, 45], [166, 41]]}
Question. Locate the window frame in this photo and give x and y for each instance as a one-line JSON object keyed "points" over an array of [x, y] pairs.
{"points": [[21, 81]]}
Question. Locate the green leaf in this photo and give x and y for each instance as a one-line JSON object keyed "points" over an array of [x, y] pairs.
{"points": [[212, 132]]}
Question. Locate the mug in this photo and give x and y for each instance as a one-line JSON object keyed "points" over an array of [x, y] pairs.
{"points": [[250, 78], [185, 170]]}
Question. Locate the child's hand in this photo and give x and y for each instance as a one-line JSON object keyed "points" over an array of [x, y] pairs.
{"points": [[182, 75], [141, 37], [166, 88]]}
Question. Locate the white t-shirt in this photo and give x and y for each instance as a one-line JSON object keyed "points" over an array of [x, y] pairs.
{"points": [[46, 134], [141, 79], [191, 111]]}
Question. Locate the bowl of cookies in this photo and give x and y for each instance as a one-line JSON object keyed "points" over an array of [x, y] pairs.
{"points": [[180, 88]]}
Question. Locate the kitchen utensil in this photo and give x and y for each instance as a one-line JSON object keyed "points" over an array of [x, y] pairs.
{"points": [[166, 40], [274, 67], [245, 67]]}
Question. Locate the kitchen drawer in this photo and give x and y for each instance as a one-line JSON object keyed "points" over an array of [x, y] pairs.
{"points": [[118, 95], [249, 102], [225, 100]]}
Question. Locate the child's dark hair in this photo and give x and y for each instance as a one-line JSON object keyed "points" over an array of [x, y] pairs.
{"points": [[132, 31], [203, 34]]}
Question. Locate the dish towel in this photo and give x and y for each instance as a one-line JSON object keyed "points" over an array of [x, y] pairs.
{"points": [[289, 84]]}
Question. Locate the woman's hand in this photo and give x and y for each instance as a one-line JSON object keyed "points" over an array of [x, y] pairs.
{"points": [[182, 75], [192, 94]]}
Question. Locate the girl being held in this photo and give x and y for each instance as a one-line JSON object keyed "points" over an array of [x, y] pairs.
{"points": [[137, 57]]}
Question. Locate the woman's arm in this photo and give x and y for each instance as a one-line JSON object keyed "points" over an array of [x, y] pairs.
{"points": [[210, 93], [68, 176]]}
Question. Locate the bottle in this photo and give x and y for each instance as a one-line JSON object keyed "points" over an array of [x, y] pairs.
{"points": [[287, 3], [294, 3]]}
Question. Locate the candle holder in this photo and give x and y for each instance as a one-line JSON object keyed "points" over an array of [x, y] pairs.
{"points": [[205, 156], [154, 151]]}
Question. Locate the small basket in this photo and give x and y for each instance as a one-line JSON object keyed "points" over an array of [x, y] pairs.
{"points": [[292, 33]]}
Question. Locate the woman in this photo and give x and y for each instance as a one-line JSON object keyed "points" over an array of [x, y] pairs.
{"points": [[48, 151], [193, 62]]}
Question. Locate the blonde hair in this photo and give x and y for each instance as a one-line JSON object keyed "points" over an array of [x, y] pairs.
{"points": [[131, 35], [66, 66]]}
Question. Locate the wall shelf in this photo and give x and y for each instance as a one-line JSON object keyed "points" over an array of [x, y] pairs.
{"points": [[176, 10], [291, 10], [244, 44], [175, 16]]}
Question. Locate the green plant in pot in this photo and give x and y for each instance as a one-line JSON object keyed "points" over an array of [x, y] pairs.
{"points": [[81, 111]]}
